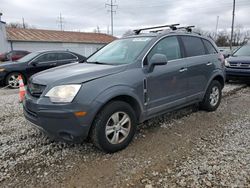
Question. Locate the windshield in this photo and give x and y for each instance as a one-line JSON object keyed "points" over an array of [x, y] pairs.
{"points": [[123, 51], [243, 51], [28, 57]]}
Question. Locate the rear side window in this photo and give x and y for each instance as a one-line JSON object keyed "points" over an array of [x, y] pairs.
{"points": [[168, 46], [210, 47], [65, 56], [193, 46]]}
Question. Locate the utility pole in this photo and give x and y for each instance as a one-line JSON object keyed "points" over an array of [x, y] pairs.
{"points": [[216, 28], [232, 29], [23, 23], [60, 20], [112, 11]]}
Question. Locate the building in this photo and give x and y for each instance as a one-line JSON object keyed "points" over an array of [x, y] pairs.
{"points": [[38, 39]]}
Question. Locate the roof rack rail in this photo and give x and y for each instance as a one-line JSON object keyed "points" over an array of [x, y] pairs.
{"points": [[172, 26], [187, 28]]}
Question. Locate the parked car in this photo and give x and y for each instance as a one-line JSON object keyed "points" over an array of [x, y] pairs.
{"points": [[13, 55], [125, 83], [238, 65], [225, 51], [33, 63]]}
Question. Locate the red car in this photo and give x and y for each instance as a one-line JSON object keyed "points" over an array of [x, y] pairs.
{"points": [[13, 55]]}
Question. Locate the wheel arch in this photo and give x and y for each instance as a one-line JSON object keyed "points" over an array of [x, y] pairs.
{"points": [[132, 101], [19, 72]]}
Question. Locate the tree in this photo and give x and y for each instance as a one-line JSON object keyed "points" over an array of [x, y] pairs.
{"points": [[128, 33], [222, 39], [20, 25]]}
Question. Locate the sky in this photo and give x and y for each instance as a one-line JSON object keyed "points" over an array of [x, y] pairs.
{"points": [[87, 15]]}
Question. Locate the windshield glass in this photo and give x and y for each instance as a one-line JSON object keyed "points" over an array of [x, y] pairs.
{"points": [[243, 51], [28, 57], [123, 51]]}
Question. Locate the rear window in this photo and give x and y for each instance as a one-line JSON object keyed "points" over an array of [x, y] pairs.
{"points": [[210, 48], [65, 56], [193, 46]]}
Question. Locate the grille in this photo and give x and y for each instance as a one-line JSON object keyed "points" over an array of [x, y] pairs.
{"points": [[36, 90], [240, 65]]}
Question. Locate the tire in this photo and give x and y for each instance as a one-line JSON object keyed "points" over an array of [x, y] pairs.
{"points": [[12, 81], [212, 97], [104, 131]]}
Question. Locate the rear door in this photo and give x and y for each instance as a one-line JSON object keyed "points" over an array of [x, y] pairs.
{"points": [[199, 66], [66, 58], [166, 84]]}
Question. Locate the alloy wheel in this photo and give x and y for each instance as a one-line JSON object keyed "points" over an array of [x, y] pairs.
{"points": [[118, 127], [214, 96]]}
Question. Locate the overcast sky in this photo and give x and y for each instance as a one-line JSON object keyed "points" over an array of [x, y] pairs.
{"points": [[86, 15]]}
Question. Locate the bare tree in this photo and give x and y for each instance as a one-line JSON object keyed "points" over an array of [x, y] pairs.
{"points": [[128, 33], [20, 25]]}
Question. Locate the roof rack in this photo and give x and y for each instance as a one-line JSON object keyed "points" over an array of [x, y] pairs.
{"points": [[187, 28], [172, 26]]}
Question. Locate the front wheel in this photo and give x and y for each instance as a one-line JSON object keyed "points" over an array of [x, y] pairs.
{"points": [[12, 80], [114, 127], [212, 97]]}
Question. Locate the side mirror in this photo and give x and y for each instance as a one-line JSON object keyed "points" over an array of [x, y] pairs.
{"points": [[158, 59], [34, 63], [226, 55]]}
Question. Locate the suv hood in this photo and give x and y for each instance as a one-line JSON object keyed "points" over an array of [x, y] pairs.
{"points": [[239, 59], [75, 73]]}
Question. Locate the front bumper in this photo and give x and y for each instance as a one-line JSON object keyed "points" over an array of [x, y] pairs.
{"points": [[58, 121], [237, 74]]}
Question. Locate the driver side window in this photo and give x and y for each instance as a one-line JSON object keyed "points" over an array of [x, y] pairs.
{"points": [[46, 58], [169, 47]]}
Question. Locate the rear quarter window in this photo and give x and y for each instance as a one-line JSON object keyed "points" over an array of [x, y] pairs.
{"points": [[193, 46], [210, 48]]}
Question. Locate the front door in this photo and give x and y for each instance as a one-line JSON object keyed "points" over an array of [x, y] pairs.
{"points": [[166, 84], [42, 62]]}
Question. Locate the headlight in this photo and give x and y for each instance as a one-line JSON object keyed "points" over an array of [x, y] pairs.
{"points": [[63, 93], [226, 63], [1, 69]]}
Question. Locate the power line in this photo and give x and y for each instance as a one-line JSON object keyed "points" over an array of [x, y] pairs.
{"points": [[112, 11]]}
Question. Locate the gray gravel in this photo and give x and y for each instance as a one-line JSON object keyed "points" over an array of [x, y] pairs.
{"points": [[27, 155], [223, 162]]}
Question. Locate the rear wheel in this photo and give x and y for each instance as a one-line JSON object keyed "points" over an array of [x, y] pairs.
{"points": [[212, 97], [114, 127], [12, 80]]}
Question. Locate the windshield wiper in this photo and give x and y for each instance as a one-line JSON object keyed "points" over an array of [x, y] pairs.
{"points": [[97, 62]]}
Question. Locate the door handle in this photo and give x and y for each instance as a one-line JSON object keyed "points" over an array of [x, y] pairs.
{"points": [[183, 69], [209, 63], [53, 64]]}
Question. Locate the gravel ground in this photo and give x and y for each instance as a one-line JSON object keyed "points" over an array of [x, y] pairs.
{"points": [[169, 151]]}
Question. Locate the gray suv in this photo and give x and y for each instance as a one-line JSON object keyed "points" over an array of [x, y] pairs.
{"points": [[125, 83]]}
